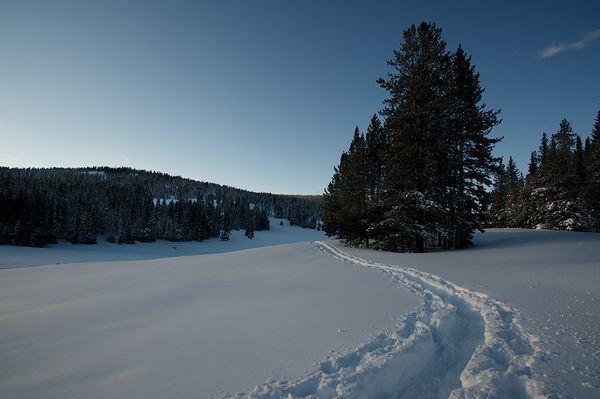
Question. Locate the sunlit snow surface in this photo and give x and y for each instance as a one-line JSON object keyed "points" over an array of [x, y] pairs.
{"points": [[516, 316]]}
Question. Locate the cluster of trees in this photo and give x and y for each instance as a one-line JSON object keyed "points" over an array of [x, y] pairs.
{"points": [[41, 206], [561, 189], [419, 178]]}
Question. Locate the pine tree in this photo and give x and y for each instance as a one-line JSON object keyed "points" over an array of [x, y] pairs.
{"points": [[249, 231], [529, 183], [333, 211], [416, 114], [544, 155], [562, 144], [557, 194], [438, 160], [346, 198], [533, 166], [514, 207], [579, 168], [593, 174], [595, 136], [225, 233], [356, 190], [471, 163], [377, 141], [497, 214]]}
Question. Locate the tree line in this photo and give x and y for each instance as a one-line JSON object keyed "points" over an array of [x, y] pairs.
{"points": [[418, 178], [40, 206], [561, 189]]}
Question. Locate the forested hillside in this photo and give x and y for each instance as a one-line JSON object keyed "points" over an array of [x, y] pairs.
{"points": [[41, 206]]}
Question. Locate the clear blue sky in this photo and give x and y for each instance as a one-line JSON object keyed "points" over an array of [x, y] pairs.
{"points": [[265, 95]]}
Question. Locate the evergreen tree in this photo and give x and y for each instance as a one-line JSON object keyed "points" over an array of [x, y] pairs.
{"points": [[595, 136], [420, 179], [249, 230], [529, 183], [356, 190], [416, 114], [345, 201], [333, 216], [544, 158], [514, 207], [533, 165], [593, 174], [579, 168], [225, 233], [438, 162], [85, 229], [376, 142], [499, 197], [471, 163], [557, 192]]}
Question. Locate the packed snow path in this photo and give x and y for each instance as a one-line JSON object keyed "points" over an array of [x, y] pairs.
{"points": [[458, 344]]}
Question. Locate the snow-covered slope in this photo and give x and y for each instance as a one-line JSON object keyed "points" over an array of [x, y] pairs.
{"points": [[459, 344], [185, 327], [514, 317], [64, 252], [551, 277]]}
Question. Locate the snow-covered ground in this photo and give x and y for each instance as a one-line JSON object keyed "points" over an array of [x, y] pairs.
{"points": [[459, 343], [64, 252], [184, 327], [516, 316], [551, 277]]}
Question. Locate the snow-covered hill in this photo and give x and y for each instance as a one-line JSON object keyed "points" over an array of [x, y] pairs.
{"points": [[184, 327], [64, 252], [516, 316]]}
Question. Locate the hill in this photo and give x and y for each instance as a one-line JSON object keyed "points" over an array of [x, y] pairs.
{"points": [[41, 206]]}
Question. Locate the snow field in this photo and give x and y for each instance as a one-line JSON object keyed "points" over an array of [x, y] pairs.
{"points": [[184, 327], [551, 277], [64, 252], [210, 325], [458, 344]]}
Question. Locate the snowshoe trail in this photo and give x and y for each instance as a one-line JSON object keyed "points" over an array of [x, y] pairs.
{"points": [[458, 344]]}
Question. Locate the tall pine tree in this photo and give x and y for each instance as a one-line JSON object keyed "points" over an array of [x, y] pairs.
{"points": [[423, 180]]}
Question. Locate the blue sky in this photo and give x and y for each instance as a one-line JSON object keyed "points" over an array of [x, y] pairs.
{"points": [[264, 95]]}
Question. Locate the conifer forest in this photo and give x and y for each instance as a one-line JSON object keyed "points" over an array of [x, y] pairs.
{"points": [[423, 174], [123, 205]]}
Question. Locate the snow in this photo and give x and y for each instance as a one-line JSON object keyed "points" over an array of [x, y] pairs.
{"points": [[99, 173], [166, 201], [460, 343], [516, 316], [551, 279], [172, 199], [185, 327], [64, 252]]}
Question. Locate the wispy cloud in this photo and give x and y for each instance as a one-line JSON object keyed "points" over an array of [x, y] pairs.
{"points": [[589, 39]]}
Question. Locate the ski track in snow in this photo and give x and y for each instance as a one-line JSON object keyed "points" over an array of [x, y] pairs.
{"points": [[458, 344]]}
